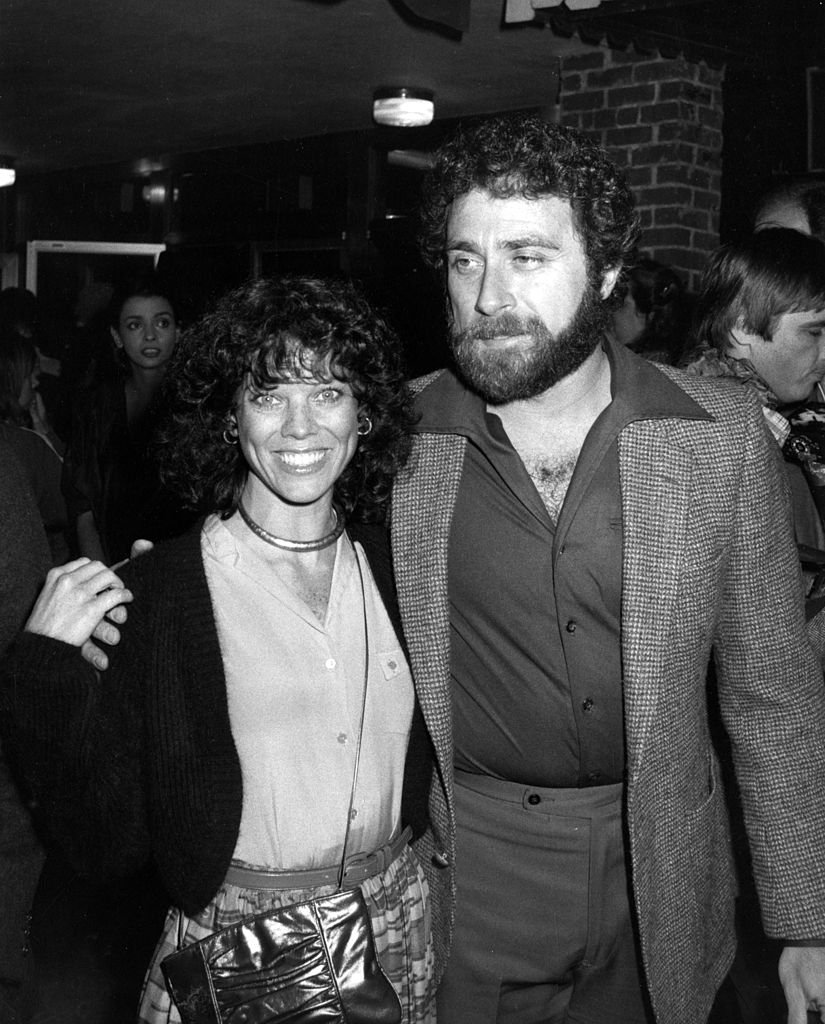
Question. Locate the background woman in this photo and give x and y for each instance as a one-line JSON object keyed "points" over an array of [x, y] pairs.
{"points": [[110, 478], [654, 318], [221, 740], [25, 428]]}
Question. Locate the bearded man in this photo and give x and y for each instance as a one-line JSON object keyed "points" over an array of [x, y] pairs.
{"points": [[577, 534]]}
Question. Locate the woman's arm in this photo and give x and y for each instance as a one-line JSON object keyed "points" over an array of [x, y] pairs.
{"points": [[76, 738]]}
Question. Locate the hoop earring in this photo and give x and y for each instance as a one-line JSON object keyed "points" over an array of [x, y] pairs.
{"points": [[364, 426], [228, 437]]}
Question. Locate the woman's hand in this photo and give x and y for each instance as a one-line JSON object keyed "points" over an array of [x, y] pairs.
{"points": [[75, 600]]}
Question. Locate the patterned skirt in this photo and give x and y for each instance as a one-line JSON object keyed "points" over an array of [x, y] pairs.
{"points": [[398, 901]]}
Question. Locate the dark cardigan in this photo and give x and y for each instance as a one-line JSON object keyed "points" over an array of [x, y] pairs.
{"points": [[139, 762]]}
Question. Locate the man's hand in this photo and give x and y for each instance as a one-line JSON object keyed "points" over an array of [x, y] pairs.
{"points": [[802, 973], [106, 630]]}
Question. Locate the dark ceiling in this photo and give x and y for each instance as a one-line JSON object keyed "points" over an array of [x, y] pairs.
{"points": [[102, 81], [94, 81]]}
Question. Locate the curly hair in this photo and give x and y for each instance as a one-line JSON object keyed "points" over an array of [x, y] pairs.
{"points": [[755, 282], [523, 155], [259, 334]]}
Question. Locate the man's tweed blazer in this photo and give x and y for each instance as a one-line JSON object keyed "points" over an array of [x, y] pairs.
{"points": [[709, 565]]}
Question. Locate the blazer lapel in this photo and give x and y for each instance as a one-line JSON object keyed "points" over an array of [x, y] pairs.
{"points": [[655, 473], [423, 501]]}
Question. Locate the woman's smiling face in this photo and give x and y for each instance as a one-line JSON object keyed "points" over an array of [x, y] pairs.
{"points": [[297, 437]]}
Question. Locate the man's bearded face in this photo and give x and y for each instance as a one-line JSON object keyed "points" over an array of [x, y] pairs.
{"points": [[508, 373]]}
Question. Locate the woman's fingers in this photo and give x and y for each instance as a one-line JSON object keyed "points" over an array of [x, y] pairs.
{"points": [[117, 615], [106, 632], [75, 599], [95, 656]]}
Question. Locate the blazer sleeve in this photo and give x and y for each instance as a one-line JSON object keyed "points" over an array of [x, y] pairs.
{"points": [[772, 697]]}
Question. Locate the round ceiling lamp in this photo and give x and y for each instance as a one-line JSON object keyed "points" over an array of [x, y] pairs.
{"points": [[400, 107], [7, 173]]}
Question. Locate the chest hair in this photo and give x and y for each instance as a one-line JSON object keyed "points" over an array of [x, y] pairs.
{"points": [[551, 478]]}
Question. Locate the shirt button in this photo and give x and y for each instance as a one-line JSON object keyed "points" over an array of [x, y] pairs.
{"points": [[342, 737], [571, 626], [534, 799], [594, 776], [587, 704], [330, 663]]}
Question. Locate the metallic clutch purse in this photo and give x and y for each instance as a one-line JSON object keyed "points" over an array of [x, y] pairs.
{"points": [[308, 963]]}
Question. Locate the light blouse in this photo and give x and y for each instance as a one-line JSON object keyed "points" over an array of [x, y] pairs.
{"points": [[295, 685]]}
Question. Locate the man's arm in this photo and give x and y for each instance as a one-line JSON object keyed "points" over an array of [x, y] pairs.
{"points": [[773, 703]]}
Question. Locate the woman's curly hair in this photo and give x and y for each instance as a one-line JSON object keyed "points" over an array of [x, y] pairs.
{"points": [[259, 334], [523, 155]]}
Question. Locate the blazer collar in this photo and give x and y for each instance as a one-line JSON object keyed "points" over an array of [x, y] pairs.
{"points": [[641, 390]]}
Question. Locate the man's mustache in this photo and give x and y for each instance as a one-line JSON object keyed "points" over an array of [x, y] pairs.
{"points": [[503, 326]]}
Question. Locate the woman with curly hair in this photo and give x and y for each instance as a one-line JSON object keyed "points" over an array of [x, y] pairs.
{"points": [[223, 740]]}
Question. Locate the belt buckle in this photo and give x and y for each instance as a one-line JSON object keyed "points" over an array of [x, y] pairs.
{"points": [[360, 865]]}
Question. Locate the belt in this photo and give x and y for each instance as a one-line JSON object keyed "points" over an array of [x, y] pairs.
{"points": [[585, 801], [357, 868]]}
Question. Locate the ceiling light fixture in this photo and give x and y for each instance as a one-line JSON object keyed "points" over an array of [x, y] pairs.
{"points": [[7, 172], [400, 107]]}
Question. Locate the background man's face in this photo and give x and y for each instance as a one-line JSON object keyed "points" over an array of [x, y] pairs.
{"points": [[793, 361], [523, 313]]}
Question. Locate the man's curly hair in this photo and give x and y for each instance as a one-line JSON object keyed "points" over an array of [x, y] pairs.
{"points": [[259, 334], [523, 155]]}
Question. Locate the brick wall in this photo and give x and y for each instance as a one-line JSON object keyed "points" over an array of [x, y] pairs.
{"points": [[661, 120]]}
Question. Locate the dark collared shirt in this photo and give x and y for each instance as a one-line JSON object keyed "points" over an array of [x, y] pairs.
{"points": [[535, 607]]}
